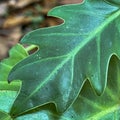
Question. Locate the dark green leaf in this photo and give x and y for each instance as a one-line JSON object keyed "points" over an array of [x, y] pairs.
{"points": [[78, 49], [88, 105], [8, 92], [38, 115]]}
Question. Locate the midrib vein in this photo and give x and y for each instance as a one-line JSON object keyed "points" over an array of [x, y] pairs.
{"points": [[95, 32]]}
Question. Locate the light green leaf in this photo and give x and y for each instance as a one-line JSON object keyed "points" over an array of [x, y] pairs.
{"points": [[76, 50], [4, 116], [16, 54]]}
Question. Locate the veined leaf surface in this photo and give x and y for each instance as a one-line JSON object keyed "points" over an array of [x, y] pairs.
{"points": [[70, 53], [6, 99], [88, 105], [8, 92]]}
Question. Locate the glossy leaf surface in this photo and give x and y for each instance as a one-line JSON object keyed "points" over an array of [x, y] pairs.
{"points": [[76, 50], [88, 105], [114, 2], [16, 54]]}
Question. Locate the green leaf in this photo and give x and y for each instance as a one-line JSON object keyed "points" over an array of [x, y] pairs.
{"points": [[6, 99], [8, 92], [16, 54], [114, 2], [4, 116], [70, 53], [44, 114], [88, 105]]}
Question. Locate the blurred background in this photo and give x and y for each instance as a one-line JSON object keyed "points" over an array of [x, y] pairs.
{"points": [[18, 17]]}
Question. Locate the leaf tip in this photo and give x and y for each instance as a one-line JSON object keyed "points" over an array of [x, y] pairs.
{"points": [[11, 77]]}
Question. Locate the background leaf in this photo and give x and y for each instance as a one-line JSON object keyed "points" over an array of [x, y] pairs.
{"points": [[88, 105], [8, 92], [4, 116], [78, 49], [16, 54]]}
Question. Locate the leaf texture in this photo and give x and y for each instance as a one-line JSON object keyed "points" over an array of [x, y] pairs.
{"points": [[8, 92], [4, 116], [16, 54], [6, 100], [70, 53], [88, 105]]}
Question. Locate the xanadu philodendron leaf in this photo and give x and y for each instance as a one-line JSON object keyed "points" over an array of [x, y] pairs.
{"points": [[70, 53], [88, 105]]}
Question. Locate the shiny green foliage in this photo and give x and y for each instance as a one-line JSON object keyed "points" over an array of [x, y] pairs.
{"points": [[70, 53], [76, 72], [8, 92], [7, 98]]}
